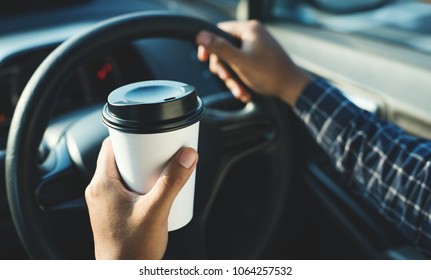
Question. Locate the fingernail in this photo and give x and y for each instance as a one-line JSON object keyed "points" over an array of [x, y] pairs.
{"points": [[187, 158]]}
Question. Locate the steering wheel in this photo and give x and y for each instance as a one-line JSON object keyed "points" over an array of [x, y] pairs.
{"points": [[46, 177]]}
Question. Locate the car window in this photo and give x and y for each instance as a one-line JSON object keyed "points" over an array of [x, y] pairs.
{"points": [[405, 23]]}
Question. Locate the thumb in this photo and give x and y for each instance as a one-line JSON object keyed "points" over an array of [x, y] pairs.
{"points": [[174, 177], [219, 46]]}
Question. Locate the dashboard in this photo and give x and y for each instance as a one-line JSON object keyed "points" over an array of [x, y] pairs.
{"points": [[89, 84]]}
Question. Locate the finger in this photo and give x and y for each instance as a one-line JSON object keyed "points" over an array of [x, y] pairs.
{"points": [[203, 53], [219, 46], [223, 53], [219, 68], [174, 177], [223, 72], [238, 90], [214, 64], [232, 83], [106, 175], [106, 166], [235, 28]]}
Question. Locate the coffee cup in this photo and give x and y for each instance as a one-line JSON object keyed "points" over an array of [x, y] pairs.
{"points": [[148, 123]]}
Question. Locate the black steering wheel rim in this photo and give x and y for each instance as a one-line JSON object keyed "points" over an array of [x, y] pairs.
{"points": [[32, 115]]}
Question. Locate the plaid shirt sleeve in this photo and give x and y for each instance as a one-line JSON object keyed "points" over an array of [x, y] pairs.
{"points": [[390, 168]]}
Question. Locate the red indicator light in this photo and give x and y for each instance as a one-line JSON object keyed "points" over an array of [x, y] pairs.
{"points": [[3, 118], [104, 71]]}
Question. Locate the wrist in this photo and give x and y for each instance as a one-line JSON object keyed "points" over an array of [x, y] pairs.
{"points": [[294, 87]]}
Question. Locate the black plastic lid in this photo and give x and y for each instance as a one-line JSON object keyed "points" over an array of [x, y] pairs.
{"points": [[152, 107]]}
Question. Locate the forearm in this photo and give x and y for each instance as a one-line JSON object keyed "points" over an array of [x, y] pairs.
{"points": [[390, 168]]}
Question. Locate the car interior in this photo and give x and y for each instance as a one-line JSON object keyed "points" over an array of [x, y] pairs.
{"points": [[264, 189]]}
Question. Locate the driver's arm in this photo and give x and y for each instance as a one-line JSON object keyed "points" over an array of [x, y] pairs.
{"points": [[389, 168]]}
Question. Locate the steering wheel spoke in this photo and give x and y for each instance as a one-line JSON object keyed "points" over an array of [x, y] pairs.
{"points": [[244, 137], [60, 183], [228, 134], [243, 130]]}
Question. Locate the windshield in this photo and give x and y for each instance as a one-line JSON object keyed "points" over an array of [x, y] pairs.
{"points": [[406, 23]]}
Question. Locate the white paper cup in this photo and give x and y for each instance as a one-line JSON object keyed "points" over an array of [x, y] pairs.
{"points": [[148, 123]]}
